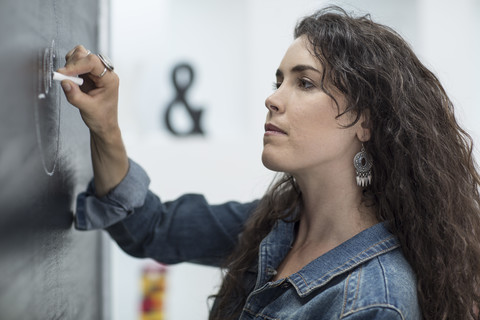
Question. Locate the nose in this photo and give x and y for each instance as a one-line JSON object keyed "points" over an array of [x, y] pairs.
{"points": [[274, 102]]}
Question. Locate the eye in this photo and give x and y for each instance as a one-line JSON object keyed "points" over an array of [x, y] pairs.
{"points": [[276, 85], [305, 84]]}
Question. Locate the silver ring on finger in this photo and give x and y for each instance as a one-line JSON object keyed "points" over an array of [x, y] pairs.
{"points": [[89, 52], [103, 72], [106, 61]]}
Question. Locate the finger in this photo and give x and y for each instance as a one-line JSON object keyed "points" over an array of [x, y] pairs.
{"points": [[88, 64], [70, 53], [74, 95], [100, 74], [78, 48]]}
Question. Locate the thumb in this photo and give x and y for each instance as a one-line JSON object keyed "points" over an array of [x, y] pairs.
{"points": [[67, 87], [73, 93]]}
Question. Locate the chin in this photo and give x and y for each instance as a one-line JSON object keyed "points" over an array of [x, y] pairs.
{"points": [[270, 163]]}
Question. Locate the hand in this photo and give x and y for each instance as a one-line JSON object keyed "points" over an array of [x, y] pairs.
{"points": [[97, 101], [97, 98]]}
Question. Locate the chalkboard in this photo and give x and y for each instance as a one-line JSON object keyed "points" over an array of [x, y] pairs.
{"points": [[47, 269]]}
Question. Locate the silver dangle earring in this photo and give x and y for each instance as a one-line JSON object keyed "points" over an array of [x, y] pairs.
{"points": [[363, 166]]}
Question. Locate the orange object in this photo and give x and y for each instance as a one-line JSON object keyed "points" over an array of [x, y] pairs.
{"points": [[153, 292]]}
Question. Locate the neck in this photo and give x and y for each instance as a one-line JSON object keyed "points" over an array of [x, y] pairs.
{"points": [[332, 209]]}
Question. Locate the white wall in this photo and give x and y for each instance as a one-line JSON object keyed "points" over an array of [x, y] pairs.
{"points": [[235, 48]]}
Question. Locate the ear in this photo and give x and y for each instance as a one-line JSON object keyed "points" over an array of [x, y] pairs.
{"points": [[363, 127]]}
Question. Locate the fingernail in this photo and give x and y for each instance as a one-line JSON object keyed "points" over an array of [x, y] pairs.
{"points": [[66, 86]]}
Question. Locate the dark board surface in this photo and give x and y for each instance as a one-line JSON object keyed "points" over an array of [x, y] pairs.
{"points": [[47, 269]]}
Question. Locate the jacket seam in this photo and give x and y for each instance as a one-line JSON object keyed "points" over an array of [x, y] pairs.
{"points": [[384, 281], [331, 274], [371, 306], [360, 253], [257, 314], [346, 293], [358, 286]]}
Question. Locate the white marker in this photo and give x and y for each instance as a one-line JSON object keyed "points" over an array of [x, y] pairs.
{"points": [[59, 77]]}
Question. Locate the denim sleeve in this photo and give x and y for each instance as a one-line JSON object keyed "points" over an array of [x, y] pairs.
{"points": [[100, 212], [184, 230]]}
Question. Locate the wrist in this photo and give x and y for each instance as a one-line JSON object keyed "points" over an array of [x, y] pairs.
{"points": [[109, 159], [110, 136]]}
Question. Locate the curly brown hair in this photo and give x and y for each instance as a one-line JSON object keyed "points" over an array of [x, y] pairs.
{"points": [[426, 184]]}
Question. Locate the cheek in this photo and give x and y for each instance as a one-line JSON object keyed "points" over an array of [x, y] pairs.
{"points": [[322, 138], [314, 129]]}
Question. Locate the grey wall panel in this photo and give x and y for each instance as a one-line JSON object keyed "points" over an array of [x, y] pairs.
{"points": [[47, 269]]}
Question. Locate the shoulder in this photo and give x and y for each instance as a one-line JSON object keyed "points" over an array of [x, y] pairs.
{"points": [[382, 288]]}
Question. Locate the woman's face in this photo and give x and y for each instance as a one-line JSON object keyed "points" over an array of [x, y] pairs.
{"points": [[302, 134]]}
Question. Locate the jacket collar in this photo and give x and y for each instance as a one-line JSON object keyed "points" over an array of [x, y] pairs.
{"points": [[364, 246]]}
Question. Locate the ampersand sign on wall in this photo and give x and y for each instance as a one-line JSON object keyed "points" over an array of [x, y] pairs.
{"points": [[182, 84]]}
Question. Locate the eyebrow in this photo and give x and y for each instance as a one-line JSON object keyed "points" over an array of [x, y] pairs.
{"points": [[297, 69]]}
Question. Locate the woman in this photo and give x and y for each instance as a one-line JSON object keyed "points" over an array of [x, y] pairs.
{"points": [[393, 234]]}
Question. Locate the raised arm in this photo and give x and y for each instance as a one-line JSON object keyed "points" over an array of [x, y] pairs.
{"points": [[97, 100]]}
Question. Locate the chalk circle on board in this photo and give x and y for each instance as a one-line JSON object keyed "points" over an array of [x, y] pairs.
{"points": [[47, 109]]}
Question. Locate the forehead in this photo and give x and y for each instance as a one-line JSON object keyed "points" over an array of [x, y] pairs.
{"points": [[299, 53]]}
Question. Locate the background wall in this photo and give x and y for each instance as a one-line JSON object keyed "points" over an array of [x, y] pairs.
{"points": [[48, 270], [234, 48]]}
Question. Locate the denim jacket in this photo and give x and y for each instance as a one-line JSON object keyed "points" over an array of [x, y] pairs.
{"points": [[366, 277]]}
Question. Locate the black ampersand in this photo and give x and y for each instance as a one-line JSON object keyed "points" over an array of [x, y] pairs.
{"points": [[195, 115]]}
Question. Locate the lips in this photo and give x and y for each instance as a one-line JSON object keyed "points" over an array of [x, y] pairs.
{"points": [[270, 128]]}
